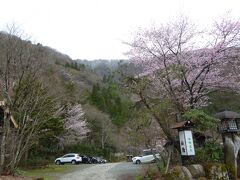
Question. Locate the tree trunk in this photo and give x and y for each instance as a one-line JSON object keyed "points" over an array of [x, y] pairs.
{"points": [[168, 161], [102, 141], [2, 156], [6, 129]]}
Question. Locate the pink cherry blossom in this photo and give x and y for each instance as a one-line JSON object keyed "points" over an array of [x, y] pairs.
{"points": [[186, 64]]}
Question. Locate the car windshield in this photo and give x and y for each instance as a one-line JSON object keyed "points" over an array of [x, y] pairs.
{"points": [[68, 155]]}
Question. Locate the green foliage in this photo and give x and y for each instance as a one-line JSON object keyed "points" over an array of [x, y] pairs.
{"points": [[211, 152], [202, 120], [47, 145], [109, 99], [224, 100]]}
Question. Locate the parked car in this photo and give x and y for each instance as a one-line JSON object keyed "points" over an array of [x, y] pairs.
{"points": [[104, 161], [94, 160], [97, 160], [69, 158], [101, 160], [86, 160], [147, 157]]}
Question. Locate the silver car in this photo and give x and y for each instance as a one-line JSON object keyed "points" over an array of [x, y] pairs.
{"points": [[147, 157], [72, 158]]}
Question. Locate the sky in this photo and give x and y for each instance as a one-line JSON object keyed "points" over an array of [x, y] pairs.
{"points": [[96, 29]]}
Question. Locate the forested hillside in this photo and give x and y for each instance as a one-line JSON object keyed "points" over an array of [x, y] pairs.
{"points": [[52, 104], [59, 104]]}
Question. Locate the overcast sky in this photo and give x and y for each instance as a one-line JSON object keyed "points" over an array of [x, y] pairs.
{"points": [[95, 29]]}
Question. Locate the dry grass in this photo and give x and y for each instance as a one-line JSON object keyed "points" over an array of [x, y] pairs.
{"points": [[15, 178]]}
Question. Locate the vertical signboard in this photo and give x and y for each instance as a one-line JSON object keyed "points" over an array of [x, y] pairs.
{"points": [[186, 143], [189, 143]]}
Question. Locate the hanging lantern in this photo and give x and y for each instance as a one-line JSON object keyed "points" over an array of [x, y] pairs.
{"points": [[230, 122]]}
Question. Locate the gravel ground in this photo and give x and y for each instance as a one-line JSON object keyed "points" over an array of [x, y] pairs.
{"points": [[109, 171]]}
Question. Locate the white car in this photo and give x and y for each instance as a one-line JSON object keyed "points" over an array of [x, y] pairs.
{"points": [[147, 157], [69, 158]]}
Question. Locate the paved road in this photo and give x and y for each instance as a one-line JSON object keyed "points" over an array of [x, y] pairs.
{"points": [[109, 171]]}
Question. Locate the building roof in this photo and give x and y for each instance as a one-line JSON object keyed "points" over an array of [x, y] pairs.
{"points": [[227, 115], [183, 124]]}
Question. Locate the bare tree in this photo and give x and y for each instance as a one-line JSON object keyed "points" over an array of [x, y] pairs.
{"points": [[24, 96], [143, 131], [101, 126], [33, 108]]}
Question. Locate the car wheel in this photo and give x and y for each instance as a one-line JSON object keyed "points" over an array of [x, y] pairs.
{"points": [[138, 162], [58, 162], [73, 162]]}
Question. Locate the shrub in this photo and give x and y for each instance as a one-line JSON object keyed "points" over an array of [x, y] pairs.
{"points": [[211, 152]]}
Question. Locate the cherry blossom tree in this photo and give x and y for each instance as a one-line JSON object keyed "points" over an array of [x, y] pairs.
{"points": [[75, 124], [184, 64], [181, 65]]}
